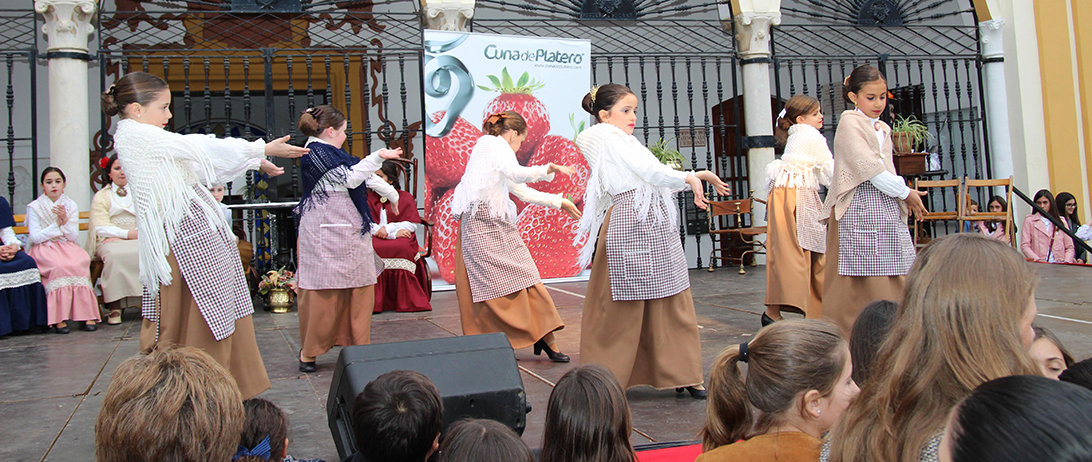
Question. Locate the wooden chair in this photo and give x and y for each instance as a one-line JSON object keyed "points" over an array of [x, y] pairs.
{"points": [[722, 238], [966, 214], [409, 182], [936, 215]]}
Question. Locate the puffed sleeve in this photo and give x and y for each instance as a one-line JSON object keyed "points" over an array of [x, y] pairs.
{"points": [[8, 237], [645, 165], [229, 158], [363, 170]]}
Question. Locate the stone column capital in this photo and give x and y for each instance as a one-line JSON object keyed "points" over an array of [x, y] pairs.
{"points": [[992, 34], [67, 23], [448, 14], [753, 33]]}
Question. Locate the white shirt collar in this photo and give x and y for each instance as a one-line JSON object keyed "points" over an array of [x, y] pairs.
{"points": [[315, 139]]}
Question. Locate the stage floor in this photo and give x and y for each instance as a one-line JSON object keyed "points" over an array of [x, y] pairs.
{"points": [[52, 386]]}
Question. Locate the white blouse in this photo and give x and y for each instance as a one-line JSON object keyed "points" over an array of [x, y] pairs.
{"points": [[492, 173], [392, 228], [42, 223], [362, 172], [887, 182]]}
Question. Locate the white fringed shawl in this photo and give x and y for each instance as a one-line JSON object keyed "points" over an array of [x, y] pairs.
{"points": [[162, 169], [492, 173], [807, 161], [619, 163]]}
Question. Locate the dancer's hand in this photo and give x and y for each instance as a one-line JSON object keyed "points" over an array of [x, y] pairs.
{"points": [[271, 169], [570, 208], [699, 194], [381, 233], [720, 186], [562, 169], [389, 154], [403, 233], [913, 201], [280, 148], [394, 206]]}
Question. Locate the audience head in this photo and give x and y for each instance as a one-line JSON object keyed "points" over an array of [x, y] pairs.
{"points": [[1080, 373], [134, 93], [1045, 200], [997, 204], [798, 374], [800, 109], [174, 404], [951, 334], [869, 331], [587, 419], [1067, 207], [398, 417], [325, 122], [1021, 418], [1048, 353], [265, 433], [483, 440], [52, 180], [389, 172], [111, 171]]}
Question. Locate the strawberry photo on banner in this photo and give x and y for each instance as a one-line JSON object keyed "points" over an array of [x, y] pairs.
{"points": [[469, 76]]}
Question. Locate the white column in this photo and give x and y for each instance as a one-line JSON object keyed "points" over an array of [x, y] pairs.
{"points": [[753, 39], [67, 28], [997, 102], [448, 14]]}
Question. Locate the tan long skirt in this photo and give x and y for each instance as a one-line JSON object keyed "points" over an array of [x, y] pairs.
{"points": [[794, 276], [120, 272], [524, 316], [181, 323], [844, 297], [335, 317], [643, 342]]}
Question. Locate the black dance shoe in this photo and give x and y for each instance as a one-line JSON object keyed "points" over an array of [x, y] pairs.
{"points": [[695, 392], [90, 327], [60, 330], [306, 366], [767, 320], [554, 356]]}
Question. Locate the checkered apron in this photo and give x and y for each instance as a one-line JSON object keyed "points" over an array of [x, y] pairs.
{"points": [[497, 260], [645, 259], [811, 234], [333, 254], [872, 239], [208, 259]]}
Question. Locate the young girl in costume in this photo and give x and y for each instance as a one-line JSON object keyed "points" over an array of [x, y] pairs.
{"points": [[497, 282], [112, 238], [797, 238], [53, 225], [798, 382], [402, 285], [194, 290], [22, 297], [869, 247], [338, 268], [639, 318]]}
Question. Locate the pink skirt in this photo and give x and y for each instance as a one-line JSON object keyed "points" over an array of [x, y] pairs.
{"points": [[66, 275]]}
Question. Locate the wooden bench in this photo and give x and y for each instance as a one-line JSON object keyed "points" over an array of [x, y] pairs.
{"points": [[20, 225]]}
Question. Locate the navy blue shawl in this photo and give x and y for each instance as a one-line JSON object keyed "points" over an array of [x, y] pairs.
{"points": [[323, 159]]}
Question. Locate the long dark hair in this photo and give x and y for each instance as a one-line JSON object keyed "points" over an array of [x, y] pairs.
{"points": [[1053, 204], [1062, 198], [1021, 418], [992, 225], [587, 419], [867, 336], [109, 164], [605, 97], [392, 169]]}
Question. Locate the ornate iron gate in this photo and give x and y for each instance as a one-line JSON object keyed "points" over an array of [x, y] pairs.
{"points": [[19, 58]]}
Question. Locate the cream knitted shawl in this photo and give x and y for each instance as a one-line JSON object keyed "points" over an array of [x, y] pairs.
{"points": [[807, 161], [857, 158]]}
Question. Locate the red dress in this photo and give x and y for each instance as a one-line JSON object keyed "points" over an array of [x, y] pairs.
{"points": [[402, 284]]}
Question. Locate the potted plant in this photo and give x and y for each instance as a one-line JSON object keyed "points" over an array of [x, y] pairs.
{"points": [[280, 288], [908, 133], [667, 156]]}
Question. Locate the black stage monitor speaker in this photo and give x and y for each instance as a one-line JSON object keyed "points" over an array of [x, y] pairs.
{"points": [[477, 377]]}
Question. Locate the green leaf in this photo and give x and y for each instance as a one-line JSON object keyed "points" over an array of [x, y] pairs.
{"points": [[582, 125], [495, 80], [523, 79], [506, 79], [483, 87]]}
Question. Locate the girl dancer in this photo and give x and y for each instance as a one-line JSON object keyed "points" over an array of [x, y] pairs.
{"points": [[112, 239], [497, 282], [53, 225], [337, 268], [868, 242], [639, 318], [402, 286], [797, 239], [194, 290]]}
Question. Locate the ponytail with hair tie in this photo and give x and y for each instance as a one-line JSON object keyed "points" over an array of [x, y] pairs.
{"points": [[495, 117]]}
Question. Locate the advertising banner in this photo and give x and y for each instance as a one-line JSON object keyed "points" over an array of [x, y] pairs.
{"points": [[469, 76]]}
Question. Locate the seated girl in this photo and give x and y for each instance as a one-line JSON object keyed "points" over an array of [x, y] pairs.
{"points": [[112, 238], [52, 220], [996, 229], [22, 297], [402, 286]]}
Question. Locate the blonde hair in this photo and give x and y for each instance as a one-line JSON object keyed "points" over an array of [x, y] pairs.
{"points": [[174, 404], [785, 359], [955, 330]]}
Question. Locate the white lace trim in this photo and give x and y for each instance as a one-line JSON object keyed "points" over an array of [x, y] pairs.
{"points": [[399, 263], [20, 278], [67, 281]]}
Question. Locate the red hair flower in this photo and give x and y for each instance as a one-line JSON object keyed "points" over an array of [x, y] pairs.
{"points": [[104, 162]]}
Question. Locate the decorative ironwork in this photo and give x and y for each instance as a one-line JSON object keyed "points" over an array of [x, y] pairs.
{"points": [[608, 9], [888, 13], [614, 10]]}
